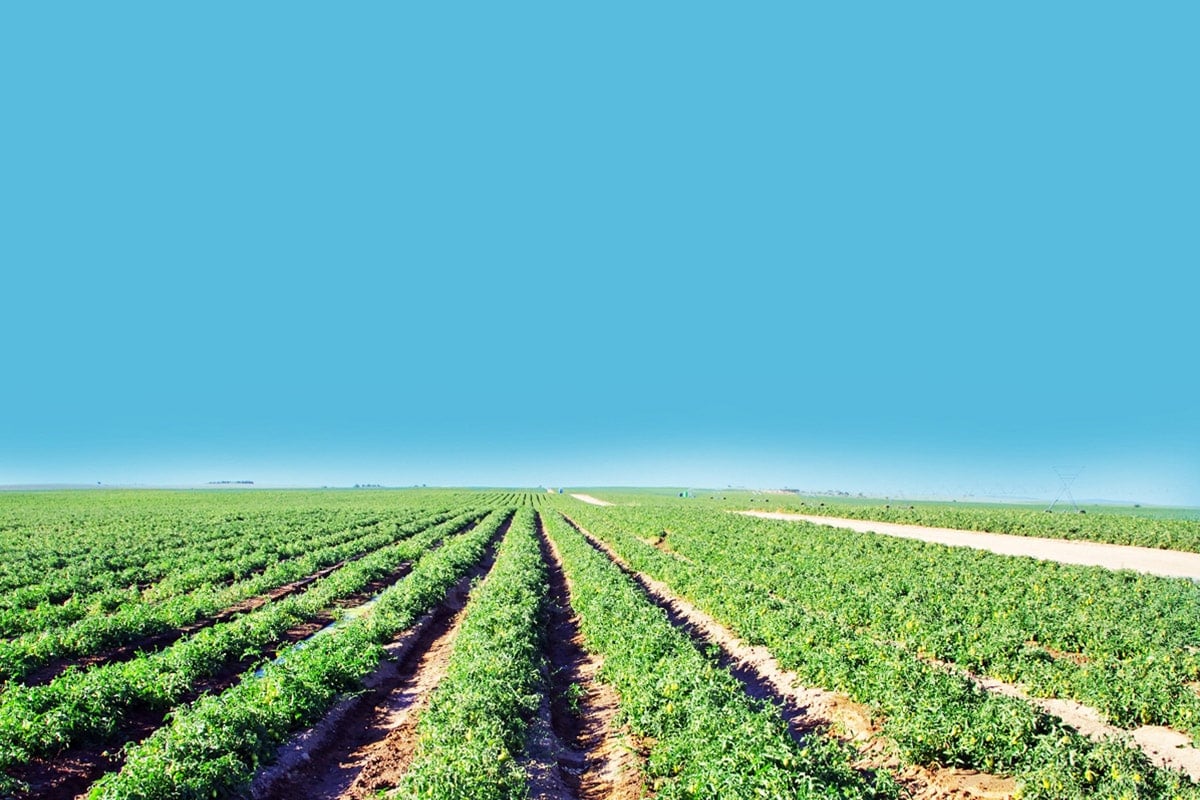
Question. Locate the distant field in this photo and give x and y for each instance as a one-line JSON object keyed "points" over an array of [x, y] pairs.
{"points": [[508, 643], [792, 500], [1168, 528]]}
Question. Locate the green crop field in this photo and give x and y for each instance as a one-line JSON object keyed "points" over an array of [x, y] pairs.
{"points": [[508, 644]]}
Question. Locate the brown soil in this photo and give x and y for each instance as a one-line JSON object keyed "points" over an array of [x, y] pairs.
{"points": [[943, 783], [575, 750], [661, 544], [158, 641], [67, 776], [809, 709], [366, 743], [1076, 658]]}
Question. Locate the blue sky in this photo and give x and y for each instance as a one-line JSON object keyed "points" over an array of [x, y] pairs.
{"points": [[930, 249]]}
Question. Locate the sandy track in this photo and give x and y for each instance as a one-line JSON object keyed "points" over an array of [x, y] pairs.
{"points": [[587, 498], [1167, 563], [1164, 746]]}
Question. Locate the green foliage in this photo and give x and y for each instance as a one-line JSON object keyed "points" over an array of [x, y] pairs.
{"points": [[475, 726], [865, 615], [1099, 524], [706, 737], [877, 618], [78, 705], [250, 720], [132, 615]]}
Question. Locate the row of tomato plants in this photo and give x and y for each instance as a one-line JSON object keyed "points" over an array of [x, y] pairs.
{"points": [[93, 704], [212, 747], [141, 617], [56, 545], [89, 585], [474, 730], [705, 736], [515, 499], [1122, 642], [930, 715], [205, 572], [45, 564]]}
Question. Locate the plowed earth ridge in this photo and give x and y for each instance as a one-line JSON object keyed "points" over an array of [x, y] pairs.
{"points": [[365, 744], [575, 750], [67, 774]]}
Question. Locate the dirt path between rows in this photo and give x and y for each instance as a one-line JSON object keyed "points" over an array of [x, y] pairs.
{"points": [[1167, 563], [370, 748], [587, 498], [367, 742], [575, 750], [1164, 747], [809, 709]]}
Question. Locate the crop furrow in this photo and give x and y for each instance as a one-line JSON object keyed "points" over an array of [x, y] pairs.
{"points": [[704, 735], [592, 755], [213, 746], [96, 705], [366, 743], [474, 729], [45, 654], [72, 585]]}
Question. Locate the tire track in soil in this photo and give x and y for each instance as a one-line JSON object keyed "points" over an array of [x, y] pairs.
{"points": [[574, 750], [807, 710], [67, 775], [367, 742]]}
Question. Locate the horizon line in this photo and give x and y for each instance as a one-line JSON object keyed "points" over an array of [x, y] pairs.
{"points": [[248, 485]]}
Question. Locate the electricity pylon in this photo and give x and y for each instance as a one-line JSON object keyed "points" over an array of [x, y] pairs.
{"points": [[1067, 476]]}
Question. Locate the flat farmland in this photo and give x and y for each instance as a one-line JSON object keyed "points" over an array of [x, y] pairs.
{"points": [[510, 644]]}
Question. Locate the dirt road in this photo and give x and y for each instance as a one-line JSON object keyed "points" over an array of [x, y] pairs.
{"points": [[1168, 563], [587, 498]]}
